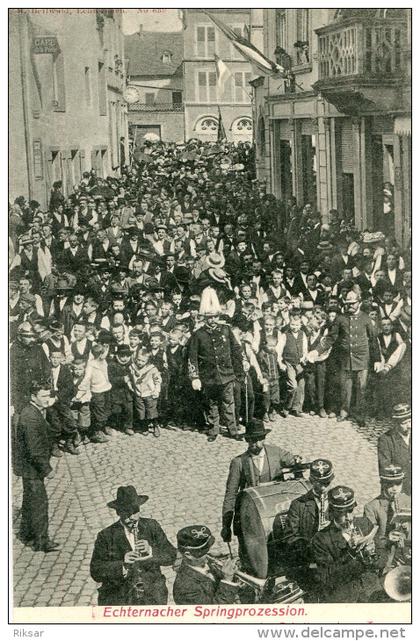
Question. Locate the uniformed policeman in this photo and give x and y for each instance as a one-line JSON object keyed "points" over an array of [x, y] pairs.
{"points": [[357, 345], [214, 363]]}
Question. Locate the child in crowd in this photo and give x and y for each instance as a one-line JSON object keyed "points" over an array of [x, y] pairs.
{"points": [[144, 381], [97, 376], [121, 398], [268, 362], [177, 381], [80, 403], [292, 351]]}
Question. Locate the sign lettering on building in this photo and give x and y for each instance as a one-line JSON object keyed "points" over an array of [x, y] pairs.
{"points": [[45, 44], [37, 154]]}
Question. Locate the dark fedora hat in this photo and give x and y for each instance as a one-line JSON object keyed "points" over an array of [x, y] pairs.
{"points": [[128, 500], [255, 430]]}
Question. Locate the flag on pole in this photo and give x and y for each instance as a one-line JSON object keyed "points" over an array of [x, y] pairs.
{"points": [[222, 74], [261, 64], [221, 133]]}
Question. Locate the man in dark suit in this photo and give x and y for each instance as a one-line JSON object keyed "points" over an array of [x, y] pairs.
{"points": [[33, 455], [60, 416], [214, 364], [75, 257], [357, 346], [128, 555], [307, 515], [341, 574], [259, 464], [394, 447], [197, 581]]}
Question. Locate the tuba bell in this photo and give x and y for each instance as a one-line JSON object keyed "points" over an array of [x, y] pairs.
{"points": [[397, 583]]}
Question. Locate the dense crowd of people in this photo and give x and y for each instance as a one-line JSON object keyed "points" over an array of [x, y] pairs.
{"points": [[181, 295], [105, 293]]}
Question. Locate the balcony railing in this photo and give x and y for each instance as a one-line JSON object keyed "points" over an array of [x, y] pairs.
{"points": [[354, 47], [156, 106]]}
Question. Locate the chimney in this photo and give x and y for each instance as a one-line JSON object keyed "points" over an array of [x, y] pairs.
{"points": [[140, 30]]}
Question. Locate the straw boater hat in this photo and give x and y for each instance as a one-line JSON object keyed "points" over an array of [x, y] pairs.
{"points": [[209, 304]]}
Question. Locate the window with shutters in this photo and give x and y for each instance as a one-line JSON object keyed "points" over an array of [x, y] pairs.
{"points": [[205, 41], [241, 84], [302, 36], [206, 86], [88, 90], [281, 35], [58, 83], [101, 89]]}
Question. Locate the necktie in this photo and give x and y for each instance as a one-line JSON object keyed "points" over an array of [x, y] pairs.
{"points": [[390, 515]]}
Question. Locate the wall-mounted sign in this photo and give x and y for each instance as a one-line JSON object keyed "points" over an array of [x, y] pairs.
{"points": [[45, 44], [37, 154]]}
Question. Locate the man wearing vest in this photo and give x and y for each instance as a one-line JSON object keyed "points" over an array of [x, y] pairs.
{"points": [[292, 351], [259, 464]]}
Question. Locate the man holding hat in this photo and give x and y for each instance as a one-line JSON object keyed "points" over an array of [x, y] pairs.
{"points": [[197, 582], [387, 508], [308, 514], [394, 447], [130, 551], [341, 573], [259, 464]]}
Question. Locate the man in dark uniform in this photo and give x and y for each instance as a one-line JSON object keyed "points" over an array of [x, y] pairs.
{"points": [[342, 574], [394, 447], [130, 551], [214, 363], [386, 509], [33, 455], [197, 581], [308, 514], [28, 362], [259, 464], [357, 345]]}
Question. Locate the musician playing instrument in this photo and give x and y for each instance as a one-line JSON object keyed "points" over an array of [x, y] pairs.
{"points": [[128, 555], [197, 580], [259, 464], [344, 554], [386, 511], [307, 515]]}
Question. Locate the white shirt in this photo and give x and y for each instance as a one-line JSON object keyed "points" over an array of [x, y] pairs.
{"points": [[258, 460], [55, 371]]}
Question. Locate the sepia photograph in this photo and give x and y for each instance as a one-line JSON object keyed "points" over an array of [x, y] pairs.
{"points": [[209, 288]]}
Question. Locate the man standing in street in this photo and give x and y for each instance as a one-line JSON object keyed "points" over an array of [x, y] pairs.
{"points": [[394, 447], [259, 464], [357, 345], [214, 363], [34, 449]]}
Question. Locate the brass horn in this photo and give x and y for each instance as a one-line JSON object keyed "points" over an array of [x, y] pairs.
{"points": [[397, 583]]}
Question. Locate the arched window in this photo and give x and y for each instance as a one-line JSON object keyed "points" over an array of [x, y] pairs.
{"points": [[206, 125], [242, 127]]}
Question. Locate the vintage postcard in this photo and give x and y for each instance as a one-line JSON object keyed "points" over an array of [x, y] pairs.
{"points": [[210, 315]]}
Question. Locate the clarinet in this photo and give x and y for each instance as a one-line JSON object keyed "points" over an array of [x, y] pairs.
{"points": [[135, 582]]}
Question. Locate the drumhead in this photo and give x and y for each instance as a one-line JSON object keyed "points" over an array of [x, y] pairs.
{"points": [[258, 508]]}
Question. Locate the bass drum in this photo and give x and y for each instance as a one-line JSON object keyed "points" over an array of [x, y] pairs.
{"points": [[258, 508]]}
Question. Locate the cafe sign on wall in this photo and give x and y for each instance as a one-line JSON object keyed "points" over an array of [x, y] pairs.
{"points": [[45, 44]]}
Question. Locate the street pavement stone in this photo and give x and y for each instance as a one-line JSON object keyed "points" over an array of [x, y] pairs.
{"points": [[183, 475]]}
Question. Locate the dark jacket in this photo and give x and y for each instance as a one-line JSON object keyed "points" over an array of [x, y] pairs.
{"points": [[192, 587], [215, 356], [302, 519], [340, 574], [106, 565], [392, 450], [33, 444], [356, 341], [27, 363], [66, 389], [119, 394], [242, 474]]}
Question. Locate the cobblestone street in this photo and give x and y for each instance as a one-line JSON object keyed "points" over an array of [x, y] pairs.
{"points": [[185, 479]]}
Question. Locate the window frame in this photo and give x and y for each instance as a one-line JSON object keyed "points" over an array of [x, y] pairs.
{"points": [[209, 99], [206, 55]]}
